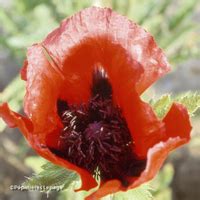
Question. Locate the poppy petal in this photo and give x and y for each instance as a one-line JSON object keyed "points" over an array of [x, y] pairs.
{"points": [[42, 88], [109, 187], [24, 70], [146, 129], [14, 119], [135, 40], [177, 122], [178, 128]]}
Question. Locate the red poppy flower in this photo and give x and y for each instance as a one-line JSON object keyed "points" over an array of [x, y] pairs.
{"points": [[83, 106]]}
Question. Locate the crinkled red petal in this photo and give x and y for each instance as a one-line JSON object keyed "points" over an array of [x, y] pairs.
{"points": [[14, 119], [146, 129], [177, 122], [41, 91], [24, 70], [93, 23]]}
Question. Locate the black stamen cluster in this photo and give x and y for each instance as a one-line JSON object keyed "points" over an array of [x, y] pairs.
{"points": [[96, 137]]}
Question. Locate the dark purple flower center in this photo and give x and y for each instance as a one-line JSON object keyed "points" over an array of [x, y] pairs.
{"points": [[96, 137]]}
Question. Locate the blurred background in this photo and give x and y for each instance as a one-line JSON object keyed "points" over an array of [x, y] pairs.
{"points": [[175, 24]]}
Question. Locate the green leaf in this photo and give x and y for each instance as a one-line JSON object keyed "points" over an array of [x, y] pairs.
{"points": [[185, 52], [175, 39], [51, 176], [190, 100], [163, 179], [140, 193], [35, 163], [162, 105], [164, 5], [186, 10], [151, 6]]}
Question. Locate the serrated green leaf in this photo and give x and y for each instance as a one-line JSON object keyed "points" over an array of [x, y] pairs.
{"points": [[190, 100], [51, 176], [162, 105], [140, 193], [35, 163]]}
